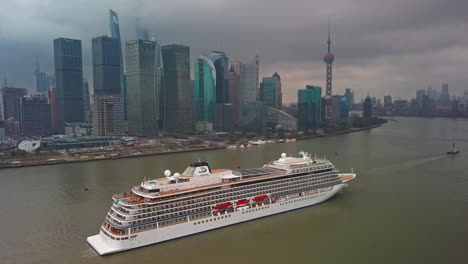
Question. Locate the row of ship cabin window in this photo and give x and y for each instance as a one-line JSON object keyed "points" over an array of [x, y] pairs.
{"points": [[211, 220], [256, 209], [261, 188], [223, 194], [302, 199], [310, 169], [115, 238], [283, 188]]}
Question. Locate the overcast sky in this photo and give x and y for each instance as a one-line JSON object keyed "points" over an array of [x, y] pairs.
{"points": [[381, 47]]}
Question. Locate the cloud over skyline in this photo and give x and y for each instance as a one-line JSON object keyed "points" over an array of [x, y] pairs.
{"points": [[380, 47]]}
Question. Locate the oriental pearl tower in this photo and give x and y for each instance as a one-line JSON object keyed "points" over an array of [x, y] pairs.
{"points": [[328, 59]]}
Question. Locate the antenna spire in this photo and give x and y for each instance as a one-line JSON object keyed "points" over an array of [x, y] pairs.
{"points": [[329, 38]]}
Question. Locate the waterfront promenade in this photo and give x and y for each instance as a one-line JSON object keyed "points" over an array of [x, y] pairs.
{"points": [[31, 160]]}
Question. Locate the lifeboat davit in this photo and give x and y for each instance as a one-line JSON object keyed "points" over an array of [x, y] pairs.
{"points": [[222, 206], [260, 198], [242, 202]]}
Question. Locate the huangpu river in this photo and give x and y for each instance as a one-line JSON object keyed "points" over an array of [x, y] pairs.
{"points": [[408, 204]]}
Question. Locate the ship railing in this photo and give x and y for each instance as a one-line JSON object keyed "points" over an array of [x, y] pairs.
{"points": [[188, 205], [321, 184], [191, 206]]}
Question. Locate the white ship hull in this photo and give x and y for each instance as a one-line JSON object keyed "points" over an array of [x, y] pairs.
{"points": [[104, 245]]}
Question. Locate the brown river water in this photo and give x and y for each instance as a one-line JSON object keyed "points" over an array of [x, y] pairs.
{"points": [[409, 204]]}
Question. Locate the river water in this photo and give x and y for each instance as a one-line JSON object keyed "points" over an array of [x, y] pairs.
{"points": [[409, 204]]}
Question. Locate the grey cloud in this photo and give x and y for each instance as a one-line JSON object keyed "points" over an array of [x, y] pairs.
{"points": [[382, 47]]}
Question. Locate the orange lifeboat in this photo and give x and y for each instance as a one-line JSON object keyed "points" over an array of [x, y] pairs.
{"points": [[222, 206], [260, 198]]}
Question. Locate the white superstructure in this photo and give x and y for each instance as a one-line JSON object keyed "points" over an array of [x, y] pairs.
{"points": [[201, 199]]}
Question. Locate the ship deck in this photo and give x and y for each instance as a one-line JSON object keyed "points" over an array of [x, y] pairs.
{"points": [[346, 177], [246, 175]]}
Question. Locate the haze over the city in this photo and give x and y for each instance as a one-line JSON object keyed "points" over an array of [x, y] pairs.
{"points": [[380, 47]]}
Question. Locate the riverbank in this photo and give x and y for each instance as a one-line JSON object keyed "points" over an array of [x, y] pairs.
{"points": [[53, 160], [347, 131]]}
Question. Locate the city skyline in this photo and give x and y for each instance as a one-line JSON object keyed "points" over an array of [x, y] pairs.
{"points": [[427, 52]]}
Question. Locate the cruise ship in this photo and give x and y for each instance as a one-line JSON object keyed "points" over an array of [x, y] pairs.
{"points": [[202, 199]]}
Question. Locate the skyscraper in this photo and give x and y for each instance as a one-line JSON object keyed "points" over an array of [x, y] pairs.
{"points": [[278, 91], [141, 93], [233, 93], [367, 108], [309, 107], [114, 32], [35, 116], [248, 81], [221, 63], [42, 80], [52, 101], [108, 115], [69, 81], [177, 88], [10, 97], [388, 104], [159, 82], [87, 102], [106, 65], [223, 121], [350, 96], [204, 93], [420, 96], [268, 92], [445, 96], [108, 106], [141, 30], [335, 107], [328, 59], [253, 117]]}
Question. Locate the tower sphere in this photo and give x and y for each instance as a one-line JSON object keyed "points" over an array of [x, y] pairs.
{"points": [[329, 58]]}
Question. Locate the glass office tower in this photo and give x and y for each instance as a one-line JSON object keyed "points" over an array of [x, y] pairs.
{"points": [[141, 89], [204, 93], [69, 82], [309, 107], [177, 88]]}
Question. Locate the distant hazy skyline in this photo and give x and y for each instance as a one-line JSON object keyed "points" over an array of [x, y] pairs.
{"points": [[381, 47]]}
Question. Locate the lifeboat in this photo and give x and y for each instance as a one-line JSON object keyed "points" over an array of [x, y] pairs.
{"points": [[222, 206], [260, 198], [242, 202]]}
